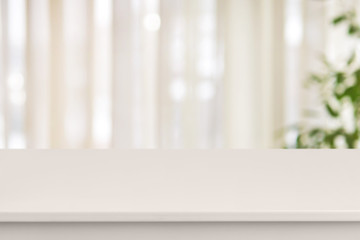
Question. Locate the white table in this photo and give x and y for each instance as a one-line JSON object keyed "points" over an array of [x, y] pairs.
{"points": [[192, 194]]}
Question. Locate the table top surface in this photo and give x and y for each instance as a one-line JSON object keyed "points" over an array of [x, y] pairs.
{"points": [[179, 185]]}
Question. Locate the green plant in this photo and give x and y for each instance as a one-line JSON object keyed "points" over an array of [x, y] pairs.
{"points": [[340, 92]]}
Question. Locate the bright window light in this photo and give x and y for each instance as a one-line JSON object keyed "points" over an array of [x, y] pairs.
{"points": [[152, 22], [178, 90], [205, 90]]}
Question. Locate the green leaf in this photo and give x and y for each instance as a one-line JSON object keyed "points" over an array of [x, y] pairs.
{"points": [[298, 142], [339, 19], [340, 77], [357, 77], [351, 92], [351, 139], [339, 96], [330, 137], [353, 29], [316, 78], [351, 58], [316, 132], [335, 86], [331, 111]]}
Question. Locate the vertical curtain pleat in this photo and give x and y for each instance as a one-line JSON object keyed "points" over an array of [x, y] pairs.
{"points": [[76, 78], [3, 38], [122, 75], [151, 25], [57, 83], [190, 61], [277, 63], [102, 74], [253, 73], [89, 60], [239, 69], [266, 40], [208, 75], [37, 74], [172, 87], [135, 74], [14, 29]]}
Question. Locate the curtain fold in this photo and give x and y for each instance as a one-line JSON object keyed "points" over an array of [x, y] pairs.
{"points": [[159, 73]]}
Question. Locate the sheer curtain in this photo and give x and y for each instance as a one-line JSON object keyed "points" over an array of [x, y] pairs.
{"points": [[157, 73]]}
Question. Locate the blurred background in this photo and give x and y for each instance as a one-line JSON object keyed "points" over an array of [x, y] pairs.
{"points": [[165, 73]]}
